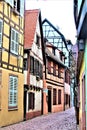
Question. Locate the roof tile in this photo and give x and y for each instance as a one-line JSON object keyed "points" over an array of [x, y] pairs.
{"points": [[31, 17]]}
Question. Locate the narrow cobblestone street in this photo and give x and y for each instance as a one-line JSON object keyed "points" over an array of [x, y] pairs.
{"points": [[56, 121]]}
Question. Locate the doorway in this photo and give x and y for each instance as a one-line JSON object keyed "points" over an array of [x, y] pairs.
{"points": [[49, 100]]}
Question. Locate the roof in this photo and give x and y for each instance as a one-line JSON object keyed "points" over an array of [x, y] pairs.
{"points": [[62, 36], [55, 58], [31, 17]]}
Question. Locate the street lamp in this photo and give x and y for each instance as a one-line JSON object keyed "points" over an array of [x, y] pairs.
{"points": [[69, 45]]}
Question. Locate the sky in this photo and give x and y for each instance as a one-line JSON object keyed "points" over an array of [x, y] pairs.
{"points": [[59, 13]]}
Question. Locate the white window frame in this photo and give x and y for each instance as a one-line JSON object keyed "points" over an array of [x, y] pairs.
{"points": [[14, 42], [10, 2], [13, 91], [1, 22]]}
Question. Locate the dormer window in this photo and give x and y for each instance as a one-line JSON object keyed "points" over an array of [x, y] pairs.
{"points": [[37, 40], [53, 51]]}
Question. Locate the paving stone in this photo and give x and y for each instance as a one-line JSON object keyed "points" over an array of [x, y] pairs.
{"points": [[54, 121]]}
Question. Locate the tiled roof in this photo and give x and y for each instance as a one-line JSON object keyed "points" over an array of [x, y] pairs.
{"points": [[55, 58], [31, 17]]}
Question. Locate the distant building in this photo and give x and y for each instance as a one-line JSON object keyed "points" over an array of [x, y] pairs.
{"points": [[53, 91], [54, 37]]}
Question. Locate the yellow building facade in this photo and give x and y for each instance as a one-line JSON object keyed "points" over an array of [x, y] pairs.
{"points": [[82, 95], [11, 61]]}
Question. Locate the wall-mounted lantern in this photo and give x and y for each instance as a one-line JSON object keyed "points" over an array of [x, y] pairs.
{"points": [[69, 45]]}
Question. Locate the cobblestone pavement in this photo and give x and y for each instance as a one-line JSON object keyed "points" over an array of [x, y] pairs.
{"points": [[55, 121]]}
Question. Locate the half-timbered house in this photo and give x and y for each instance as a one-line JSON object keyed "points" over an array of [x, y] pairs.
{"points": [[33, 64], [53, 91], [11, 61]]}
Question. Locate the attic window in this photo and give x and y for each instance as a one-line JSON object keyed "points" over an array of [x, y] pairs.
{"points": [[37, 40]]}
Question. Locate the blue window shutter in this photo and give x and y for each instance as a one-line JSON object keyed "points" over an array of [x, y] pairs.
{"points": [[1, 25], [11, 2], [13, 91], [14, 41], [22, 8]]}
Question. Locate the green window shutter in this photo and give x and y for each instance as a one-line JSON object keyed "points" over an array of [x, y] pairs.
{"points": [[1, 25], [14, 41], [10, 2], [22, 8]]}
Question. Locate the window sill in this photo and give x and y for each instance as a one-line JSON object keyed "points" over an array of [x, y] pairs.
{"points": [[15, 11], [12, 109]]}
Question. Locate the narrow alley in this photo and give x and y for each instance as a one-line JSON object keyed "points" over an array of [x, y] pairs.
{"points": [[56, 121]]}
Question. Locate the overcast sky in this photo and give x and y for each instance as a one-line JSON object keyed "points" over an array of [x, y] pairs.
{"points": [[59, 13]]}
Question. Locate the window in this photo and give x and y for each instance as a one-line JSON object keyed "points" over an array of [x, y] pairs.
{"points": [[18, 5], [31, 102], [54, 69], [37, 40], [37, 67], [53, 51], [54, 96], [25, 64], [13, 91], [59, 71], [1, 25], [59, 96], [41, 71], [66, 99], [49, 66], [31, 65], [14, 41]]}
